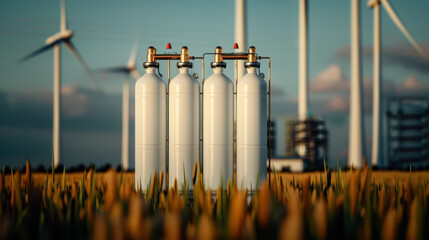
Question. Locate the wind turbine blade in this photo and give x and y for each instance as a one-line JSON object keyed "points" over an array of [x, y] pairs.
{"points": [[133, 55], [63, 26], [398, 22], [74, 51], [112, 70], [39, 51], [135, 74]]}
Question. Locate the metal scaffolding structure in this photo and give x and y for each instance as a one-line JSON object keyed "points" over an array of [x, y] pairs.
{"points": [[407, 131], [308, 139]]}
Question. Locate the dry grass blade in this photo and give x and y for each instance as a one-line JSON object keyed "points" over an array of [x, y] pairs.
{"points": [[152, 185], [228, 188], [194, 173], [383, 205], [161, 179]]}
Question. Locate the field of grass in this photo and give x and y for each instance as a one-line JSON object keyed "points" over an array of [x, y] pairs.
{"points": [[358, 204]]}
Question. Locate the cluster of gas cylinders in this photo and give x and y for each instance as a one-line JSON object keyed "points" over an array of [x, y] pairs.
{"points": [[168, 124]]}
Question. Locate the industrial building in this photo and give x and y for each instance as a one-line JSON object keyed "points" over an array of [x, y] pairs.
{"points": [[308, 139], [407, 131]]}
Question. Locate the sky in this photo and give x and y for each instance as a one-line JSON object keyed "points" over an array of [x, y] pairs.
{"points": [[104, 33]]}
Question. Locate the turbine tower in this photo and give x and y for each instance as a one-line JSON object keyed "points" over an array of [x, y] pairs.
{"points": [[356, 134], [129, 69], [377, 133], [54, 41], [303, 83], [240, 33]]}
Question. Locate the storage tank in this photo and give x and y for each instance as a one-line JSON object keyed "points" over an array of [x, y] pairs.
{"points": [[184, 114], [251, 126], [218, 125], [150, 123]]}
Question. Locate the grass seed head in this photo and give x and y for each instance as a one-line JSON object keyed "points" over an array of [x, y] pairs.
{"points": [[28, 175], [415, 229], [172, 226], [389, 225], [74, 191], [1, 183], [153, 183], [135, 217], [237, 214], [190, 232], [162, 201], [353, 192], [101, 228], [175, 186], [206, 228], [111, 191], [321, 219], [264, 205], [292, 226], [88, 183], [306, 192]]}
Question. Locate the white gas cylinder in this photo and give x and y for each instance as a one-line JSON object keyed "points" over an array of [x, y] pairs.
{"points": [[251, 126], [184, 116], [218, 120], [150, 124]]}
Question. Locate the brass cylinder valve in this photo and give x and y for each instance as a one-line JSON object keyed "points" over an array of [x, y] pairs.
{"points": [[151, 62], [218, 59], [252, 58], [184, 58]]}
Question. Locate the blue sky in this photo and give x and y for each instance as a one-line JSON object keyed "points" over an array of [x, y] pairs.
{"points": [[104, 34]]}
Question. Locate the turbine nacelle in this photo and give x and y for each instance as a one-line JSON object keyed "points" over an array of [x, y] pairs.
{"points": [[131, 67], [373, 3], [63, 35]]}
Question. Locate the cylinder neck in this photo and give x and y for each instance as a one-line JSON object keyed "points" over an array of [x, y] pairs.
{"points": [[183, 70], [218, 69], [251, 69], [150, 70]]}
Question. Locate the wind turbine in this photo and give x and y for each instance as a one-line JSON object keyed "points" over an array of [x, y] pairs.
{"points": [[240, 33], [356, 146], [303, 83], [377, 137], [54, 41], [129, 69]]}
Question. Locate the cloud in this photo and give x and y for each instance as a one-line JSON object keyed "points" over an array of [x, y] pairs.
{"points": [[412, 85], [337, 104], [81, 109], [403, 55], [343, 52], [277, 91], [90, 124], [331, 79]]}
